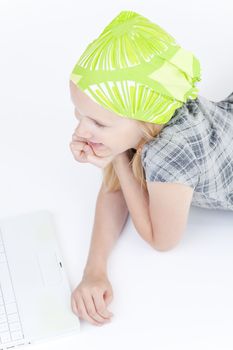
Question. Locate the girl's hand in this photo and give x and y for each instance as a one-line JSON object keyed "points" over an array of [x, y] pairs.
{"points": [[100, 162], [89, 300], [84, 153], [77, 148]]}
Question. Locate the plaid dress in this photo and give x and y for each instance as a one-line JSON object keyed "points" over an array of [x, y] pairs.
{"points": [[196, 148]]}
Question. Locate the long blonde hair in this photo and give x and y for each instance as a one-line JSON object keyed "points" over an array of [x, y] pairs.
{"points": [[110, 179]]}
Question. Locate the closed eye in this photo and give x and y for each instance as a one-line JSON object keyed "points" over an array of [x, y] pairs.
{"points": [[98, 124]]}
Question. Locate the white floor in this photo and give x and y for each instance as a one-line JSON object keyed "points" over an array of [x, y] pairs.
{"points": [[181, 299], [178, 296]]}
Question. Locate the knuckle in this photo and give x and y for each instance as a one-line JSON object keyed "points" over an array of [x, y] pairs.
{"points": [[100, 309], [75, 145], [73, 308], [75, 294], [164, 248], [92, 313], [74, 311], [80, 313], [73, 149], [94, 322], [83, 290], [95, 289], [73, 297], [79, 308], [76, 156]]}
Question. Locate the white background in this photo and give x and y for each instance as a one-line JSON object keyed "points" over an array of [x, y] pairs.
{"points": [[175, 300]]}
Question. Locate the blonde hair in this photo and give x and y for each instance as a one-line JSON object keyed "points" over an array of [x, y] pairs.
{"points": [[110, 179]]}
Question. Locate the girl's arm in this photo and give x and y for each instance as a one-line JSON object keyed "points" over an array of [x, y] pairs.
{"points": [[164, 200], [91, 297], [137, 198], [110, 216]]}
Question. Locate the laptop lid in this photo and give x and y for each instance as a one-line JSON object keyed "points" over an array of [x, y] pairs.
{"points": [[38, 276]]}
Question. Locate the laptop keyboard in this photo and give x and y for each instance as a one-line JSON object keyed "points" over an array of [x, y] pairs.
{"points": [[10, 325]]}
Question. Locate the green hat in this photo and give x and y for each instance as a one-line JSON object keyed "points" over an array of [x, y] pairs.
{"points": [[137, 70]]}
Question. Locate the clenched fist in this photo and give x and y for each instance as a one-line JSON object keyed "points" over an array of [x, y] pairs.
{"points": [[84, 153], [90, 299]]}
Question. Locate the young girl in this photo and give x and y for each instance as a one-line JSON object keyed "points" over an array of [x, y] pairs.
{"points": [[160, 145]]}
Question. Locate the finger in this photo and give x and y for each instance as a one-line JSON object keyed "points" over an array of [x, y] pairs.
{"points": [[99, 162], [100, 305], [82, 157], [79, 154], [80, 310], [85, 148], [88, 149], [79, 145], [84, 153], [90, 307], [74, 307]]}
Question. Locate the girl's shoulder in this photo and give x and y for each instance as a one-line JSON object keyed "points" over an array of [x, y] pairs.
{"points": [[192, 122], [170, 155], [198, 131], [170, 158], [179, 127]]}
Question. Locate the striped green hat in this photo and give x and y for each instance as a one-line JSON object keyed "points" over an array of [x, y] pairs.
{"points": [[137, 70]]}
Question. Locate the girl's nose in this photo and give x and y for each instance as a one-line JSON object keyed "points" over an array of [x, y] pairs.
{"points": [[82, 132]]}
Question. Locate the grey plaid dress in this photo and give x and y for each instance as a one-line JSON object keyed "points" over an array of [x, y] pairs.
{"points": [[196, 148]]}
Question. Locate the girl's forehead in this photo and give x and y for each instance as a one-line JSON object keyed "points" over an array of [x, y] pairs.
{"points": [[86, 106]]}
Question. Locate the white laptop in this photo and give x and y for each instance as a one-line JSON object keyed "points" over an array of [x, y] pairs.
{"points": [[34, 290]]}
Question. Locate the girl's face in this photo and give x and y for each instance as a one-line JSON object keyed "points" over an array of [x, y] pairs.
{"points": [[115, 134]]}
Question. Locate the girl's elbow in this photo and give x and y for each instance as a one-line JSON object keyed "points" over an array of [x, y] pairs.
{"points": [[166, 246]]}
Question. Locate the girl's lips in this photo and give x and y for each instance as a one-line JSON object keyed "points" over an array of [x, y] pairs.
{"points": [[95, 144]]}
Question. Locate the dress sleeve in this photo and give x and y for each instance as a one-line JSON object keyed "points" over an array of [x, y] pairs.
{"points": [[170, 159]]}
